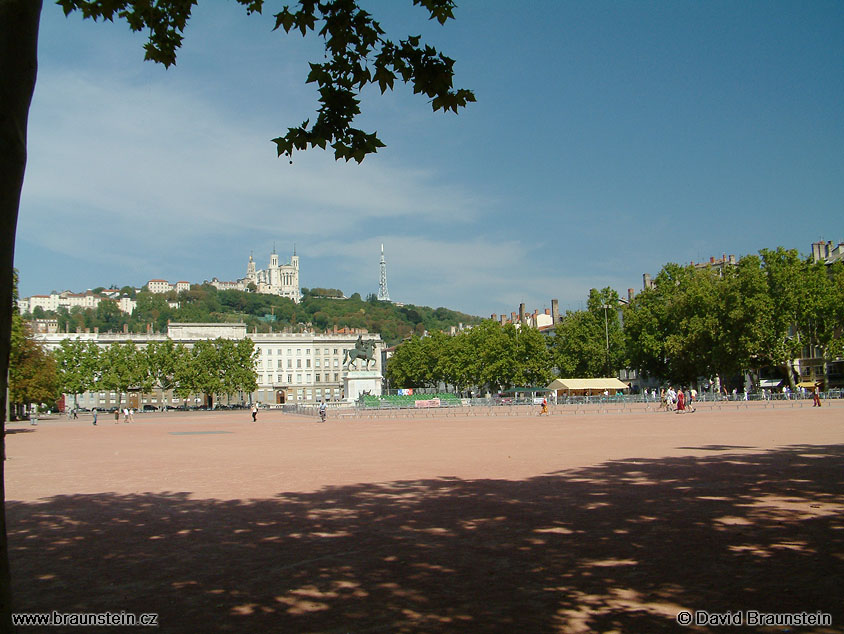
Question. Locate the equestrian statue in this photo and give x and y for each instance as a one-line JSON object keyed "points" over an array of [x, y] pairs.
{"points": [[363, 350]]}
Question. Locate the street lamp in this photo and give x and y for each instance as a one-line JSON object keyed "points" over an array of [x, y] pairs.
{"points": [[607, 332]]}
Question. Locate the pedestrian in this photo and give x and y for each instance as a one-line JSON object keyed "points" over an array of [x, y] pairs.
{"points": [[322, 411], [816, 397], [116, 416], [681, 401], [544, 409], [131, 414], [75, 414], [125, 414], [255, 413], [94, 414]]}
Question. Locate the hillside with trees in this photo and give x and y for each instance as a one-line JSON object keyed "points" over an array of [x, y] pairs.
{"points": [[321, 310]]}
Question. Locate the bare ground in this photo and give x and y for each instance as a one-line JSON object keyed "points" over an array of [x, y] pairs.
{"points": [[569, 523]]}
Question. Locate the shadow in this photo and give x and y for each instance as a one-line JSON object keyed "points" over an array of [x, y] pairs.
{"points": [[622, 546], [718, 447], [19, 431]]}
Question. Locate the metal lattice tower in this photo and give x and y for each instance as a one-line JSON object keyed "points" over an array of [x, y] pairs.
{"points": [[383, 293]]}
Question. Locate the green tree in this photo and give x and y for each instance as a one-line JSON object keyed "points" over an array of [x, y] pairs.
{"points": [[780, 340], [162, 359], [108, 315], [533, 358], [407, 367], [185, 373], [32, 369], [122, 368], [78, 363], [590, 343], [32, 372], [820, 312]]}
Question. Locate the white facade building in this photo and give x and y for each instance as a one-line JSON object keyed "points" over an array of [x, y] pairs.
{"points": [[68, 300], [159, 286], [289, 367]]}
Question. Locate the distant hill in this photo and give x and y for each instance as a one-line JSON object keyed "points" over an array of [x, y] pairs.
{"points": [[320, 309]]}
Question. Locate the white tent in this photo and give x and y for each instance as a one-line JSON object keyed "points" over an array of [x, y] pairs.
{"points": [[587, 386]]}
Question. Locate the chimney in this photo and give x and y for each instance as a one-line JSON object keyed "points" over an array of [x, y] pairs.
{"points": [[522, 313], [512, 318], [732, 259], [493, 317], [630, 294], [555, 311], [503, 319], [547, 311], [646, 281], [712, 259]]}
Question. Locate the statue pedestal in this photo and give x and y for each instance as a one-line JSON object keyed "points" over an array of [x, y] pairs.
{"points": [[358, 381]]}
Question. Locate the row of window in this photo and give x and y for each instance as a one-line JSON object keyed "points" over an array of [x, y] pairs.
{"points": [[303, 378], [278, 351], [302, 394], [317, 363]]}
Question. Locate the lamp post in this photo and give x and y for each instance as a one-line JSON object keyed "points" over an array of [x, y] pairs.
{"points": [[607, 332]]}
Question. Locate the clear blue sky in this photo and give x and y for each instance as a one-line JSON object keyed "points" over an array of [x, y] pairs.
{"points": [[608, 139]]}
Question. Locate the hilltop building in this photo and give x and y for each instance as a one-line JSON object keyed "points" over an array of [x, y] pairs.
{"points": [[163, 286], [68, 300], [276, 279]]}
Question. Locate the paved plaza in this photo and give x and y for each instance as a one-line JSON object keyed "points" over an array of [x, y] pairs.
{"points": [[588, 522]]}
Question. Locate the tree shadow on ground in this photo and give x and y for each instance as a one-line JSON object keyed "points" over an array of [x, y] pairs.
{"points": [[621, 546]]}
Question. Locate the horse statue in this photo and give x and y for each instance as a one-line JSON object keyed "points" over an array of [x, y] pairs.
{"points": [[363, 350]]}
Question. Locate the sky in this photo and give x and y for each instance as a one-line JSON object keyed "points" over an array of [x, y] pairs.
{"points": [[608, 139]]}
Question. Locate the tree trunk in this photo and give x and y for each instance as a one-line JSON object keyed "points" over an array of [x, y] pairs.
{"points": [[18, 68]]}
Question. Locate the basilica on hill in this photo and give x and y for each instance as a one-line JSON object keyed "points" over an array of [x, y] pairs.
{"points": [[276, 279]]}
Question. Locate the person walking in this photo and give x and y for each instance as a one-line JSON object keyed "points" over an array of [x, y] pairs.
{"points": [[544, 409], [125, 414], [322, 411], [94, 414], [816, 396], [255, 413]]}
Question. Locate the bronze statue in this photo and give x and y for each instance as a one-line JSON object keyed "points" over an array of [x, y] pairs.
{"points": [[363, 350]]}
